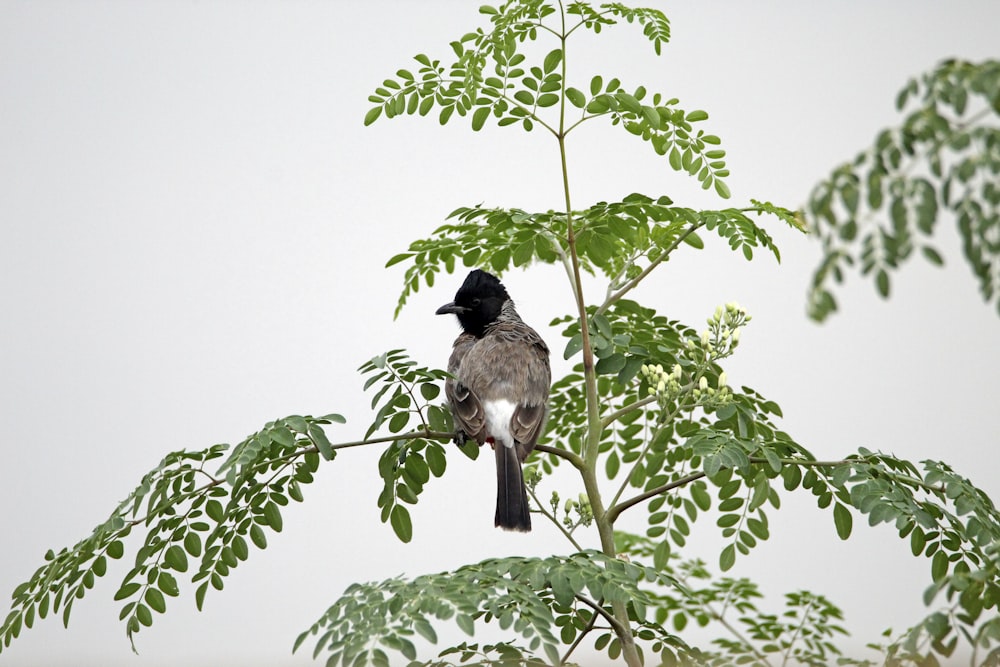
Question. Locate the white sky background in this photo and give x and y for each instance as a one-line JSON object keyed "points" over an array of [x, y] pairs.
{"points": [[194, 224]]}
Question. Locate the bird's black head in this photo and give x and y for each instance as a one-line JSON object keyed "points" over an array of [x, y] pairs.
{"points": [[477, 303]]}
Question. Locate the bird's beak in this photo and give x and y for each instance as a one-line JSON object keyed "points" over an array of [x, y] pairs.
{"points": [[451, 308]]}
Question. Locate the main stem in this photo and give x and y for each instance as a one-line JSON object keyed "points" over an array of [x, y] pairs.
{"points": [[605, 527]]}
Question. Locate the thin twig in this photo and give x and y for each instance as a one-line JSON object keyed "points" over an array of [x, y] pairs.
{"points": [[795, 635], [579, 638], [551, 517]]}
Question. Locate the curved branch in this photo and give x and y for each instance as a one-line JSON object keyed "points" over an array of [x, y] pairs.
{"points": [[615, 624], [559, 452], [621, 412], [630, 285], [617, 509]]}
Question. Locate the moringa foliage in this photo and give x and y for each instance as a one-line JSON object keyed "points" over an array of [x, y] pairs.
{"points": [[943, 160], [646, 416]]}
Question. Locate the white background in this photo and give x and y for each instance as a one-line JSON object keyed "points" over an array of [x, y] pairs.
{"points": [[194, 224]]}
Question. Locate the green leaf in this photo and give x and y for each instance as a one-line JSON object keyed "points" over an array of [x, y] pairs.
{"points": [[479, 117], [176, 558], [695, 241], [213, 508], [675, 159], [918, 540], [318, 437], [611, 465], [723, 191], [661, 555], [436, 460], [425, 630], [273, 516], [695, 116], [372, 115], [398, 422], [574, 345], [154, 599], [199, 596], [772, 459], [701, 497], [932, 256], [882, 283], [143, 614], [258, 537], [596, 85], [939, 566], [192, 544], [429, 390], [399, 519], [168, 584], [576, 98], [727, 558], [552, 60], [127, 591], [116, 549], [465, 624], [843, 521]]}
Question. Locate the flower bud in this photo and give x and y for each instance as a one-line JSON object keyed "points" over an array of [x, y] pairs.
{"points": [[703, 383], [718, 314], [736, 336], [705, 338], [722, 379]]}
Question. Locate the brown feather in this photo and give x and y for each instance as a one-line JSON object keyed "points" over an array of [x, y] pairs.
{"points": [[509, 362]]}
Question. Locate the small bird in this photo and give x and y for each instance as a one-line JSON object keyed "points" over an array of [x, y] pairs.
{"points": [[499, 386]]}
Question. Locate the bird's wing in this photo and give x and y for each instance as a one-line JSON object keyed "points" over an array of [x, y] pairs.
{"points": [[466, 409], [527, 357]]}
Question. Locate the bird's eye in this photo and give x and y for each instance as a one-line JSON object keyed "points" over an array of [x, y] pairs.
{"points": [[475, 303]]}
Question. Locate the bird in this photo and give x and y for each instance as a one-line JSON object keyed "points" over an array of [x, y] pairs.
{"points": [[499, 386]]}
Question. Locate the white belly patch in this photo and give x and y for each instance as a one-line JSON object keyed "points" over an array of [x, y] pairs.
{"points": [[498, 415]]}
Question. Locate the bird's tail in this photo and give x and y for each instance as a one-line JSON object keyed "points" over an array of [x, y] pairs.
{"points": [[512, 497]]}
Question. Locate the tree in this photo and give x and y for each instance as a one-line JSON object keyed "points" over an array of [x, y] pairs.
{"points": [[648, 408], [943, 159]]}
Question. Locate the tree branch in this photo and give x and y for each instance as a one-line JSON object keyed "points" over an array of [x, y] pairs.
{"points": [[579, 638], [630, 285], [615, 625], [621, 412], [412, 435], [575, 460], [615, 510]]}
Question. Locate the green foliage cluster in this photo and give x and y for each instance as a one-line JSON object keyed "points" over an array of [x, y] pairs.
{"points": [[622, 240], [646, 415], [534, 598], [187, 513], [875, 211], [406, 396]]}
